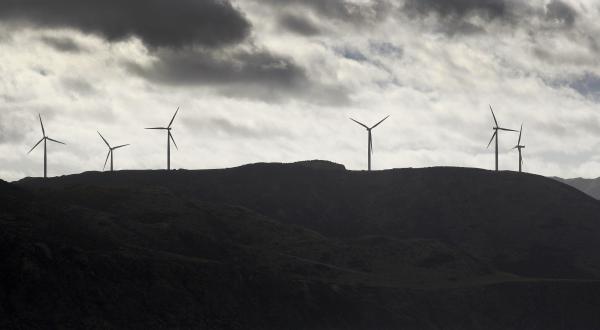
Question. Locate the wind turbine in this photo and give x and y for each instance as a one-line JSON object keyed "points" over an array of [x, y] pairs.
{"points": [[169, 139], [496, 129], [519, 147], [110, 152], [370, 141], [44, 139]]}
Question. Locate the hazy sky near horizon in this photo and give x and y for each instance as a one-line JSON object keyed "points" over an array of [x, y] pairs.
{"points": [[276, 80]]}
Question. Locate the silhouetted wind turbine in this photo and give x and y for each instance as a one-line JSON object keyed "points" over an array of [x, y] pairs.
{"points": [[370, 141], [496, 129], [169, 139], [44, 139], [110, 152], [519, 147]]}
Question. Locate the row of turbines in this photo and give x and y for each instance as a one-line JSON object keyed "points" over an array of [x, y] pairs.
{"points": [[497, 128], [111, 149]]}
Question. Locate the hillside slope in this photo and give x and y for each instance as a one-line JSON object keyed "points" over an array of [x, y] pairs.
{"points": [[524, 224], [299, 246]]}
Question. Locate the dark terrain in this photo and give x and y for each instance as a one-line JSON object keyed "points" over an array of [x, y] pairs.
{"points": [[299, 246], [588, 186]]}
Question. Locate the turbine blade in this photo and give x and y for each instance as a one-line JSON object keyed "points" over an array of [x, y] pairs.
{"points": [[121, 146], [507, 129], [371, 143], [55, 141], [42, 124], [172, 139], [520, 132], [388, 116], [156, 128], [361, 124], [37, 144], [103, 139], [494, 115], [172, 119], [492, 139], [106, 161]]}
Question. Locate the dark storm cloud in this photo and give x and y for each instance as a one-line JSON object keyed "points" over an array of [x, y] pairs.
{"points": [[63, 44], [461, 8], [158, 23], [561, 12], [221, 67], [455, 16], [299, 24], [254, 73], [342, 10]]}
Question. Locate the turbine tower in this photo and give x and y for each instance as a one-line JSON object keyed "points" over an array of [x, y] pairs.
{"points": [[520, 147], [110, 152], [370, 141], [496, 129], [44, 139], [169, 138]]}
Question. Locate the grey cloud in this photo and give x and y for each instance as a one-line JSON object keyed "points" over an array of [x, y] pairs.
{"points": [[456, 16], [561, 12], [222, 67], [586, 125], [251, 73], [44, 72], [11, 127], [235, 129], [586, 58], [299, 25], [63, 44], [352, 54], [342, 10], [78, 86], [461, 8], [386, 49], [158, 23], [587, 85]]}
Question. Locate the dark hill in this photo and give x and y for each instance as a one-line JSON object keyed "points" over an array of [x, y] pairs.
{"points": [[299, 246], [524, 224], [588, 186]]}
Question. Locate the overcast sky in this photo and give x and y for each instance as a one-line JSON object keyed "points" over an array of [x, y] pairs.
{"points": [[276, 80]]}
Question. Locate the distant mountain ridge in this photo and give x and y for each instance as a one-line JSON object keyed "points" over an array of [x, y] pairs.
{"points": [[588, 186]]}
